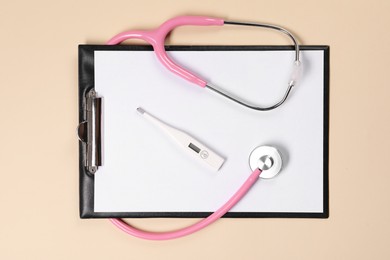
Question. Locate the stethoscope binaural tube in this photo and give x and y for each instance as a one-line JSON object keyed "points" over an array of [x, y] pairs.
{"points": [[197, 226], [156, 38]]}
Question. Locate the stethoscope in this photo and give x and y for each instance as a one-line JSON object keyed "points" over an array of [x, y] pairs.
{"points": [[264, 161]]}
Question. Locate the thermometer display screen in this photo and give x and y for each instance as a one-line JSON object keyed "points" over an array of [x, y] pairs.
{"points": [[194, 147]]}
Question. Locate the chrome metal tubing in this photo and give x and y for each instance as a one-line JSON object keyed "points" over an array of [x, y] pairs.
{"points": [[241, 102], [273, 27], [290, 85]]}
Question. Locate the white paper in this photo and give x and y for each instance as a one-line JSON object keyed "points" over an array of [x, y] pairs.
{"points": [[145, 171]]}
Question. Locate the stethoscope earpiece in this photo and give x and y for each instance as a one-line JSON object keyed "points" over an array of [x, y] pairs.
{"points": [[267, 159]]}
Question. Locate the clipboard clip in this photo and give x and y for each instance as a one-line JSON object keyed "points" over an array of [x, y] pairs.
{"points": [[90, 131]]}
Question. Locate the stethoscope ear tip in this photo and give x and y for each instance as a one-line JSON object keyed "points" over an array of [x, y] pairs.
{"points": [[266, 158]]}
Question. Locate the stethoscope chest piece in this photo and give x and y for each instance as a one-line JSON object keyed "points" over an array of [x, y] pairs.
{"points": [[267, 159]]}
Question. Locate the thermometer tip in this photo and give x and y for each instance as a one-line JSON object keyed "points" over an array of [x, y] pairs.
{"points": [[140, 110]]}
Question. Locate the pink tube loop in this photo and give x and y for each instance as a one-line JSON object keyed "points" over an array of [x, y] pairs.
{"points": [[197, 226], [156, 38]]}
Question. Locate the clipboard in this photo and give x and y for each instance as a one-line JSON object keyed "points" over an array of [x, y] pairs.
{"points": [[91, 113]]}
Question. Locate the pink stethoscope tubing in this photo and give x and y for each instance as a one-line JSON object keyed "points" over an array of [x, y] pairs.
{"points": [[197, 226], [156, 38]]}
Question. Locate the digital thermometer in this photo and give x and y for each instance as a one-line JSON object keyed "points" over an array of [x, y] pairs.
{"points": [[193, 147]]}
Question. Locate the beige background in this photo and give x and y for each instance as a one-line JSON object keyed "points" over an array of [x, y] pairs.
{"points": [[38, 146]]}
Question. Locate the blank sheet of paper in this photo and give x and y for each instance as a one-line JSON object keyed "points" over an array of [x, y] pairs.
{"points": [[145, 171]]}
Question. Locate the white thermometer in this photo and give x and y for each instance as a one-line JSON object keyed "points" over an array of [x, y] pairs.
{"points": [[193, 147]]}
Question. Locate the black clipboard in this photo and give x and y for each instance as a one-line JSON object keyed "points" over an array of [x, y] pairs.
{"points": [[86, 178]]}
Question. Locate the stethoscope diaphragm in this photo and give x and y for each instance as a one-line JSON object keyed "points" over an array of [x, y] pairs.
{"points": [[267, 159]]}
